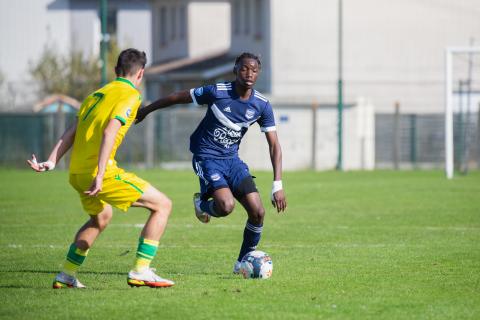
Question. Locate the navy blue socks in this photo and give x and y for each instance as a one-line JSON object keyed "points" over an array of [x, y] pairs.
{"points": [[251, 237]]}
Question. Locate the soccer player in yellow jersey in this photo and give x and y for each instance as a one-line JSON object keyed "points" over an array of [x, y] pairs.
{"points": [[101, 124]]}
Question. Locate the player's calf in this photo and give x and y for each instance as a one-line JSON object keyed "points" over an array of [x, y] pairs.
{"points": [[254, 207]]}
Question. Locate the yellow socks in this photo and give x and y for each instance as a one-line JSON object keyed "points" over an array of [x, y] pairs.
{"points": [[75, 258], [146, 251]]}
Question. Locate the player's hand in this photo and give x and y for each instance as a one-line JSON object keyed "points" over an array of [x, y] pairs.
{"points": [[42, 166], [95, 188], [279, 201], [141, 114], [278, 196]]}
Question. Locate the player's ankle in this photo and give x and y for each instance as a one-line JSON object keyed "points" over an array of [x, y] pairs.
{"points": [[140, 269]]}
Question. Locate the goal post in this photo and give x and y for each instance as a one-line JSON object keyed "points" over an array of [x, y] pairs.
{"points": [[449, 147]]}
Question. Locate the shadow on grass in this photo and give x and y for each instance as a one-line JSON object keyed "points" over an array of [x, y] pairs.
{"points": [[56, 271], [89, 288], [14, 286], [219, 275], [53, 273]]}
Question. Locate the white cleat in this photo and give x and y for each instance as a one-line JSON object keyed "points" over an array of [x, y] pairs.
{"points": [[236, 267], [147, 278], [202, 216], [63, 280]]}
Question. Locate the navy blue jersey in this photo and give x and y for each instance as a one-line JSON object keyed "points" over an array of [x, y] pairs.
{"points": [[227, 120]]}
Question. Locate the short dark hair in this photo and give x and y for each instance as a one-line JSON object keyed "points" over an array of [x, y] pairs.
{"points": [[130, 61], [246, 55]]}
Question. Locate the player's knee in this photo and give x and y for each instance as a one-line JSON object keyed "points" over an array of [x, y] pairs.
{"points": [[225, 206], [257, 215], [102, 220], [166, 205], [163, 205]]}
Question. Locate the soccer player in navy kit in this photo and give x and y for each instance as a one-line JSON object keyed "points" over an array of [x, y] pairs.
{"points": [[232, 108]]}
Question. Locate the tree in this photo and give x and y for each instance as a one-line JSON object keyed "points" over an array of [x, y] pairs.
{"points": [[75, 74]]}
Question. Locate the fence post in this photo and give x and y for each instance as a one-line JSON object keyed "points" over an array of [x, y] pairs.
{"points": [[478, 136], [413, 140], [314, 136], [396, 137], [461, 129]]}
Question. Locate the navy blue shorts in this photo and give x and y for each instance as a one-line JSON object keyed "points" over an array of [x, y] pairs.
{"points": [[220, 173]]}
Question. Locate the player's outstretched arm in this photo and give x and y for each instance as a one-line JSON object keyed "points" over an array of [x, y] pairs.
{"points": [[278, 196], [179, 97], [60, 148]]}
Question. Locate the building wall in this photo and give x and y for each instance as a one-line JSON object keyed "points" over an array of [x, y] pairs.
{"points": [[133, 25], [41, 22], [26, 27], [85, 27], [206, 25], [303, 51], [250, 31], [296, 132], [393, 50], [209, 28], [169, 48]]}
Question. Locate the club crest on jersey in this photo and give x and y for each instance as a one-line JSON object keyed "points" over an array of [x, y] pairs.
{"points": [[215, 177], [250, 113], [128, 112], [198, 91]]}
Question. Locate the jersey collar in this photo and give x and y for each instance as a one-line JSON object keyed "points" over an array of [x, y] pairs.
{"points": [[126, 81]]}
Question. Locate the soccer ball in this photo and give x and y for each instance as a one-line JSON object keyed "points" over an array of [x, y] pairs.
{"points": [[256, 264]]}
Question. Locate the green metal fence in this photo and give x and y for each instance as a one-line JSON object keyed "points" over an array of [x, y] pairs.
{"points": [[418, 140], [24, 134]]}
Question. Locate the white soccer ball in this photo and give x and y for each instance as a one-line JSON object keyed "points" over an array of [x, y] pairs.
{"points": [[256, 264]]}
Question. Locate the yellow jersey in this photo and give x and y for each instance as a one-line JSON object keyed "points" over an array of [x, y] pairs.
{"points": [[117, 100]]}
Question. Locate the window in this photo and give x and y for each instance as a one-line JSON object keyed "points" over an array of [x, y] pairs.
{"points": [[246, 16], [258, 19], [163, 26], [173, 22], [183, 22]]}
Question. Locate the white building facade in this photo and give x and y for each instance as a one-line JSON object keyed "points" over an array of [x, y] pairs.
{"points": [[392, 50], [64, 25]]}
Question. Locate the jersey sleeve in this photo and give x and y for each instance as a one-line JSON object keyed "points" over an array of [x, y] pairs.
{"points": [[125, 109], [267, 120], [203, 95]]}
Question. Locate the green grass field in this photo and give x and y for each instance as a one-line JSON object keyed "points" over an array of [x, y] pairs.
{"points": [[359, 245]]}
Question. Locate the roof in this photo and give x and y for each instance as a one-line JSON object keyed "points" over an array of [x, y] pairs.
{"points": [[199, 68], [54, 100]]}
